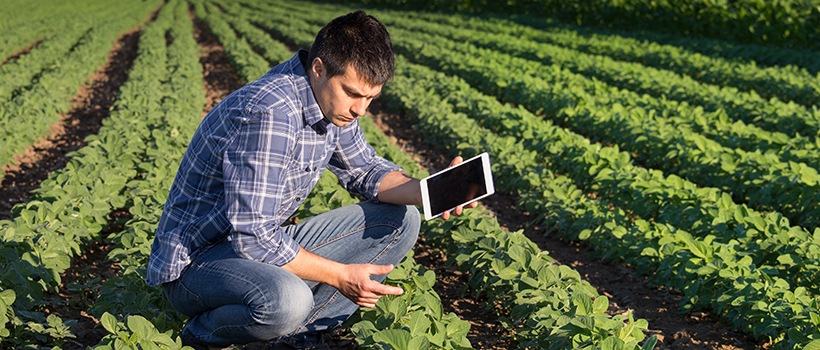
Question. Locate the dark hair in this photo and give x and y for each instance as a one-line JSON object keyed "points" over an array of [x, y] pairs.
{"points": [[358, 39]]}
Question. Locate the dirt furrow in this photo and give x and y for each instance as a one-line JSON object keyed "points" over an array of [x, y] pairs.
{"points": [[22, 52], [625, 289]]}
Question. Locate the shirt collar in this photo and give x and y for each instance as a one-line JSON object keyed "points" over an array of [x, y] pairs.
{"points": [[310, 108]]}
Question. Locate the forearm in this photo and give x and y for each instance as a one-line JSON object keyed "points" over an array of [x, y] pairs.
{"points": [[311, 267], [399, 188]]}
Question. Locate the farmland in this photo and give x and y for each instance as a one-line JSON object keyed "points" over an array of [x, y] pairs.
{"points": [[656, 190]]}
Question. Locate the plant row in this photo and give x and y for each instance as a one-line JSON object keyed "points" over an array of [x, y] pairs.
{"points": [[247, 64], [790, 23], [26, 23], [771, 114], [29, 115], [761, 180], [731, 237], [789, 83], [793, 59]]}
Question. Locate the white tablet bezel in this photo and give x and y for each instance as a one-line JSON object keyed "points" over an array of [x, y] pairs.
{"points": [[488, 179]]}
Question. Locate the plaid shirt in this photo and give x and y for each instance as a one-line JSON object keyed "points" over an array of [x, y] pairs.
{"points": [[250, 165]]}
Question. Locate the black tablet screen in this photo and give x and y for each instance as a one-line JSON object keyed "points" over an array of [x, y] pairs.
{"points": [[457, 186]]}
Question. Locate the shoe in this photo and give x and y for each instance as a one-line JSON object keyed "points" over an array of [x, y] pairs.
{"points": [[197, 345], [327, 341]]}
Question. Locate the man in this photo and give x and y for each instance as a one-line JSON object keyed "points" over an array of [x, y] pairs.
{"points": [[220, 251]]}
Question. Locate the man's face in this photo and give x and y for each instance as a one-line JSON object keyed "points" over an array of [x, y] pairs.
{"points": [[342, 98]]}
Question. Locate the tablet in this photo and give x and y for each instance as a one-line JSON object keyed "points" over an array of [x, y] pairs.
{"points": [[462, 184]]}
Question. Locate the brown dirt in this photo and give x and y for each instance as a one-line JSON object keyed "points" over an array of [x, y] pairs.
{"points": [[80, 283], [90, 107], [220, 79], [625, 289], [17, 54]]}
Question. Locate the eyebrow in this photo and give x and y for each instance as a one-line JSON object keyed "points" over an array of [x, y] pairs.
{"points": [[353, 93]]}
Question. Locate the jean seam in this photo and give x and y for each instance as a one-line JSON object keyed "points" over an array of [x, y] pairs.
{"points": [[336, 294], [350, 232]]}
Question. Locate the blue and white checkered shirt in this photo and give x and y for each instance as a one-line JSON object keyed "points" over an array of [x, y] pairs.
{"points": [[250, 165]]}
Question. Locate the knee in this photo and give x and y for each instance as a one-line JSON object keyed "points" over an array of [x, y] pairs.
{"points": [[287, 307], [410, 221], [411, 224]]}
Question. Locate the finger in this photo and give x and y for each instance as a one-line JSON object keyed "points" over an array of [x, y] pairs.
{"points": [[456, 160], [380, 269], [473, 204], [459, 210], [445, 215], [379, 289]]}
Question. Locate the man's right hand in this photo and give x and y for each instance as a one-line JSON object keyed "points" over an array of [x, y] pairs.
{"points": [[353, 281], [355, 284]]}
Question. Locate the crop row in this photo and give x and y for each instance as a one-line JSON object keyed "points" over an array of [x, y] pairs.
{"points": [[761, 180], [789, 83], [26, 23], [791, 23], [30, 114], [771, 114], [732, 241]]}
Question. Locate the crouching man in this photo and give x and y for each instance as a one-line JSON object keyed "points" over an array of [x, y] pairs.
{"points": [[221, 253]]}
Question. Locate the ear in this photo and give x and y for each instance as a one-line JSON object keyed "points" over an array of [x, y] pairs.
{"points": [[317, 67]]}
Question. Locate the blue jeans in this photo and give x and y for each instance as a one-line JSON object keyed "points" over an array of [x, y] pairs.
{"points": [[232, 300]]}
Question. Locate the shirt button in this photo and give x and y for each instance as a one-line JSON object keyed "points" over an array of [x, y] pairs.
{"points": [[298, 199], [314, 168]]}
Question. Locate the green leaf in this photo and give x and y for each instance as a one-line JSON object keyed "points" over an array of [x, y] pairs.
{"points": [[419, 343], [649, 344], [399, 339], [813, 345], [418, 324], [109, 322], [600, 305]]}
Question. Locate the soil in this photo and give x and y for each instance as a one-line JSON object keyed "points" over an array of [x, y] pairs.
{"points": [[626, 290], [220, 79]]}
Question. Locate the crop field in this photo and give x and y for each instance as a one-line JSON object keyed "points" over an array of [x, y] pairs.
{"points": [[658, 189]]}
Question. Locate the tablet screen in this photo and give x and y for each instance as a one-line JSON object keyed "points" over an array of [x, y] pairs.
{"points": [[457, 186]]}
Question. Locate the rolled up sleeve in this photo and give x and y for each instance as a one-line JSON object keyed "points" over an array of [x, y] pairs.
{"points": [[255, 170], [356, 164]]}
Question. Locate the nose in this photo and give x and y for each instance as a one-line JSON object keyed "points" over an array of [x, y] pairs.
{"points": [[359, 107]]}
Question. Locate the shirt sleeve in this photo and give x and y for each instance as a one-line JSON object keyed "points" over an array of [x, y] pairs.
{"points": [[255, 175], [356, 164]]}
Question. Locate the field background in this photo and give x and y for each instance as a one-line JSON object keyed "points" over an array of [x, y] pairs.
{"points": [[657, 166]]}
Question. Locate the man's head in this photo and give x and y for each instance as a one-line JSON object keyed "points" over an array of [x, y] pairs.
{"points": [[349, 62]]}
